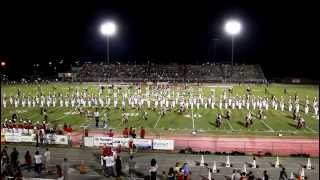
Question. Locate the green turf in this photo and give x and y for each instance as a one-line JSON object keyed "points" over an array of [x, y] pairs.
{"points": [[175, 123]]}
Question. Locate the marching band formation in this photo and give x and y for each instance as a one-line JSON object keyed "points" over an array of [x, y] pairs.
{"points": [[163, 99]]}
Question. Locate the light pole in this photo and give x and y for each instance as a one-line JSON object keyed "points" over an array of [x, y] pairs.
{"points": [[108, 29], [232, 27]]}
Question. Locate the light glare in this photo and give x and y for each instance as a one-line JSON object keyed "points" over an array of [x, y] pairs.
{"points": [[233, 27], [108, 28]]}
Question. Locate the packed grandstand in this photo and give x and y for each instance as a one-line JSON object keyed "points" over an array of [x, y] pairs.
{"points": [[210, 73]]}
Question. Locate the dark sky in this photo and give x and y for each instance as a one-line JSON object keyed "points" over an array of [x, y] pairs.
{"points": [[279, 36]]}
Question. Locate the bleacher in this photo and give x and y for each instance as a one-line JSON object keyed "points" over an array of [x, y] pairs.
{"points": [[210, 73]]}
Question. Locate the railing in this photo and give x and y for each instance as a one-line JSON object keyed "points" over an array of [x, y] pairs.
{"points": [[275, 148]]}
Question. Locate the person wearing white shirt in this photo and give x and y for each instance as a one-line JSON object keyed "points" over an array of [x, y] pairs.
{"points": [[109, 165], [38, 162], [47, 158]]}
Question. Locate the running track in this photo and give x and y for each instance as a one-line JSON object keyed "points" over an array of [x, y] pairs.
{"points": [[276, 145]]}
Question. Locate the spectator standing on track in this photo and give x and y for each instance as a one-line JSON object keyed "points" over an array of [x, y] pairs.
{"points": [[38, 162], [28, 160], [243, 176], [59, 173], [131, 164], [118, 166], [14, 157], [235, 175], [283, 174], [186, 171], [47, 157], [250, 176], [171, 174], [153, 169], [265, 175], [65, 168]]}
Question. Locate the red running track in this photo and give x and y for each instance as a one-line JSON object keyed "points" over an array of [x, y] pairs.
{"points": [[277, 145]]}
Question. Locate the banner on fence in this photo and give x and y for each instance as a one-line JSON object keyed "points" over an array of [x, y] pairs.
{"points": [[28, 138], [100, 141], [13, 137], [88, 141], [161, 144], [57, 139], [143, 143], [123, 142]]}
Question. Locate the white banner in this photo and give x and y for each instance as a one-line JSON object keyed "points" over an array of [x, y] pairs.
{"points": [[28, 138], [161, 144], [114, 142], [57, 139], [88, 141], [143, 143], [100, 141], [13, 137], [122, 141]]}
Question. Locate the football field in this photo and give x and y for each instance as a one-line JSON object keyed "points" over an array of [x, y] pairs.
{"points": [[173, 122]]}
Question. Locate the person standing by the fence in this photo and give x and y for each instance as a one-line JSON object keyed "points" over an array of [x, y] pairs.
{"points": [[28, 160], [65, 168], [47, 157], [131, 164], [153, 169], [38, 162]]}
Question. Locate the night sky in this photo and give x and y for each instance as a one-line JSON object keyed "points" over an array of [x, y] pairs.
{"points": [[278, 36]]}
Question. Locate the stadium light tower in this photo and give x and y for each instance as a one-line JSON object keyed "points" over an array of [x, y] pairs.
{"points": [[108, 29], [233, 28]]}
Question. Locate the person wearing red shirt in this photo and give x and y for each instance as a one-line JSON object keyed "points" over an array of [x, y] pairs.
{"points": [[125, 132], [20, 126], [130, 131], [69, 129], [142, 133], [130, 145], [110, 133]]}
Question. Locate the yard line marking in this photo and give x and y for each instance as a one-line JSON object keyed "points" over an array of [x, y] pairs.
{"points": [[157, 122], [267, 125], [230, 125]]}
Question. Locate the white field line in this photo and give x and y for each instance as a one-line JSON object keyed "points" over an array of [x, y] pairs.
{"points": [[229, 125], [157, 122], [272, 130]]}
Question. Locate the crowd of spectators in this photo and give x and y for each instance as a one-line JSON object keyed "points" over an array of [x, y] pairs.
{"points": [[173, 73]]}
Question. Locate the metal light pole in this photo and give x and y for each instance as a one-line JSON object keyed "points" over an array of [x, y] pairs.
{"points": [[108, 29], [232, 27], [232, 50]]}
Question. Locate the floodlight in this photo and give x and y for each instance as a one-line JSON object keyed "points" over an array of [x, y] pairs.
{"points": [[233, 27], [108, 28]]}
